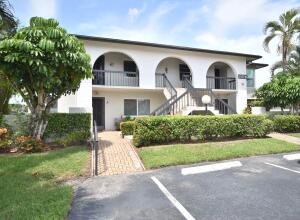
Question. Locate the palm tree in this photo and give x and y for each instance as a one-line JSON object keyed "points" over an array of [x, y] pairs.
{"points": [[8, 23], [293, 63], [8, 26], [286, 30]]}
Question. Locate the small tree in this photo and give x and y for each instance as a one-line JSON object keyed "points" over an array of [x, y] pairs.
{"points": [[283, 91], [43, 62]]}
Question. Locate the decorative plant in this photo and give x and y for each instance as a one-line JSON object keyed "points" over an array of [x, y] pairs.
{"points": [[43, 62], [29, 144]]}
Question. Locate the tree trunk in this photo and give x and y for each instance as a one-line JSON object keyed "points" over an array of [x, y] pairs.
{"points": [[39, 117], [38, 123]]}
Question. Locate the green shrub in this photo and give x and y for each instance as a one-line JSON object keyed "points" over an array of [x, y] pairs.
{"points": [[61, 124], [286, 123], [127, 127], [29, 144], [118, 122], [166, 129], [75, 138]]}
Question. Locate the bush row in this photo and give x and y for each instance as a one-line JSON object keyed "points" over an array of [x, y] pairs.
{"points": [[127, 127], [286, 123], [166, 129], [61, 124]]}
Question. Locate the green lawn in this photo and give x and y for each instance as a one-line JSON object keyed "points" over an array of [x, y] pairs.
{"points": [[160, 156], [295, 134], [28, 188]]}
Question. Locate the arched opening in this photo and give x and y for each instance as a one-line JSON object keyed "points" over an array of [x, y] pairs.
{"points": [[176, 70], [115, 69], [220, 76]]}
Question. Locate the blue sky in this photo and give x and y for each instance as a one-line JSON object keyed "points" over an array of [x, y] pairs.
{"points": [[233, 25]]}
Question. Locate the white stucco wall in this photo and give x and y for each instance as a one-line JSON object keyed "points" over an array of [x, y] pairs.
{"points": [[114, 102], [148, 60]]}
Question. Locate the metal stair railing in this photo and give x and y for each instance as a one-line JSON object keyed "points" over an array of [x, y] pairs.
{"points": [[172, 91], [192, 97], [223, 107]]}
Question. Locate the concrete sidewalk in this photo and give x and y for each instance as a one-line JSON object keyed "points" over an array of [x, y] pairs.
{"points": [[285, 137]]}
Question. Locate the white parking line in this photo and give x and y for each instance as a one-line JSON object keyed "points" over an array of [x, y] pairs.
{"points": [[292, 157], [210, 168], [172, 199], [284, 168]]}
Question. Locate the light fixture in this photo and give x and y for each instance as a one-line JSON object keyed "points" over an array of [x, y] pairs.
{"points": [[206, 99]]}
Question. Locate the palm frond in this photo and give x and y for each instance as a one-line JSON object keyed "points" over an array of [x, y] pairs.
{"points": [[277, 65], [267, 41], [8, 21], [272, 26], [287, 17]]}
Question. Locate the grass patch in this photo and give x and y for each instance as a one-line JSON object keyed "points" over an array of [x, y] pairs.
{"points": [[160, 156], [294, 134], [28, 185]]}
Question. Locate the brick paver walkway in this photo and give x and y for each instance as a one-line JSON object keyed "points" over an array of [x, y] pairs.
{"points": [[285, 137], [117, 155]]}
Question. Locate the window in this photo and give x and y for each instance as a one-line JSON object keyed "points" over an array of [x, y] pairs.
{"points": [[130, 68], [184, 70], [250, 78], [136, 106]]}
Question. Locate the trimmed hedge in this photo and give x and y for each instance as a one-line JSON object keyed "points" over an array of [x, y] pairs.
{"points": [[75, 138], [61, 124], [166, 129], [127, 127], [286, 123]]}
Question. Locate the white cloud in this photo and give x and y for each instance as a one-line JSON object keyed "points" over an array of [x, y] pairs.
{"points": [[47, 9], [231, 20], [191, 17], [150, 29], [133, 13]]}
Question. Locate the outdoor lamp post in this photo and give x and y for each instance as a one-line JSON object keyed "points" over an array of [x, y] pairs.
{"points": [[206, 100]]}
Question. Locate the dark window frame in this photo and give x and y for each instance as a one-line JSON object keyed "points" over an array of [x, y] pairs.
{"points": [[184, 70], [130, 68]]}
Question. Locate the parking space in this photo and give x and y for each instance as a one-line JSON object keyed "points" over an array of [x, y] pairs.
{"points": [[265, 187]]}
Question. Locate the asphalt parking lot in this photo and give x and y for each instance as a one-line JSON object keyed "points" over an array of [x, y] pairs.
{"points": [[265, 187]]}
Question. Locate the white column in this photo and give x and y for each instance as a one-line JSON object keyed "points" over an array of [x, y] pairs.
{"points": [[84, 96], [241, 96]]}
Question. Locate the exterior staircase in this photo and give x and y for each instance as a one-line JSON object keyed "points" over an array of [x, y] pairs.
{"points": [[188, 101]]}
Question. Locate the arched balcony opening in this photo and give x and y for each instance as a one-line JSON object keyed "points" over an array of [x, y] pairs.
{"points": [[220, 76], [115, 69], [176, 70]]}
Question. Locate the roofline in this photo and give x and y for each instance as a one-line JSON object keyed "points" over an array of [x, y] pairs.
{"points": [[251, 57], [257, 65]]}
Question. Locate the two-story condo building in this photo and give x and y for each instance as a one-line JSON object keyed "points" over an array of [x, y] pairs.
{"points": [[138, 78]]}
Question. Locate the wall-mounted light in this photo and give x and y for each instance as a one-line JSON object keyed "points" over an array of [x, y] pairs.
{"points": [[166, 69]]}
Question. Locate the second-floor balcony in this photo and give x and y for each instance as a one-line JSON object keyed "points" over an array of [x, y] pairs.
{"points": [[227, 83], [115, 78]]}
